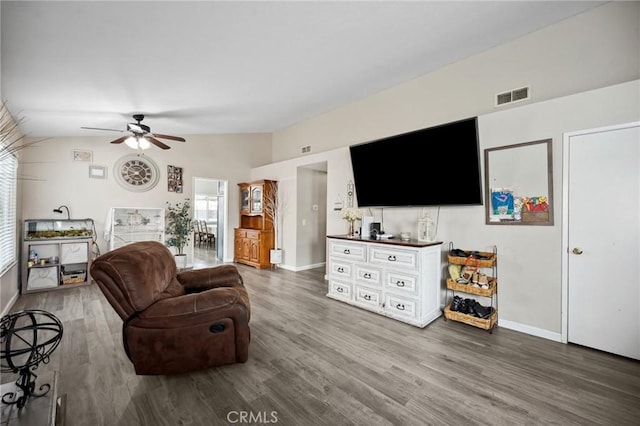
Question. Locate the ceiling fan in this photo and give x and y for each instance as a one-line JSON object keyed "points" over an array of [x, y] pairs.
{"points": [[141, 136]]}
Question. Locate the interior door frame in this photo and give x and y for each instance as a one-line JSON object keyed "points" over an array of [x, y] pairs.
{"points": [[565, 216], [222, 230]]}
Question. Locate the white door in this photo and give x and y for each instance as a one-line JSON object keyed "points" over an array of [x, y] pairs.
{"points": [[603, 239]]}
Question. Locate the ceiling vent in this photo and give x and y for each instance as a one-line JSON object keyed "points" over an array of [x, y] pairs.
{"points": [[511, 96]]}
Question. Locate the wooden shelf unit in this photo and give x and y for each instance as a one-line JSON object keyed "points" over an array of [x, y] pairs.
{"points": [[255, 237]]}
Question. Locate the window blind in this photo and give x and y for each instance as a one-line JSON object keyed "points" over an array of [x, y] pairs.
{"points": [[8, 185]]}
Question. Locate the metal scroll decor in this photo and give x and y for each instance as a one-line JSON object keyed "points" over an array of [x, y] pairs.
{"points": [[27, 338]]}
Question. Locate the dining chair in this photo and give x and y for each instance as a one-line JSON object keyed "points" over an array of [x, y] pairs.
{"points": [[208, 238]]}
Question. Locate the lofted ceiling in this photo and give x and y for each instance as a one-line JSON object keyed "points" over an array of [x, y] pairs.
{"points": [[235, 66]]}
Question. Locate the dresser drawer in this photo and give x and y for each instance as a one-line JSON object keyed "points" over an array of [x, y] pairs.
{"points": [[340, 269], [401, 283], [395, 257], [400, 306], [355, 252], [368, 296], [340, 289], [368, 275], [253, 234]]}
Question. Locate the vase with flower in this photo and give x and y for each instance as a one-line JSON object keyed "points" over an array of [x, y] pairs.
{"points": [[351, 214]]}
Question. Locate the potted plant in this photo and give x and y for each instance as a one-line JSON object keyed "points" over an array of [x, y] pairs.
{"points": [[178, 229], [274, 205]]}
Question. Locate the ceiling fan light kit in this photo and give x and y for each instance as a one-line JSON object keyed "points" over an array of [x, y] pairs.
{"points": [[137, 142], [142, 137]]}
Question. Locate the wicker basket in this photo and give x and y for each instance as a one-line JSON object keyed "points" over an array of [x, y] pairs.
{"points": [[468, 288], [74, 277], [480, 263], [486, 324]]}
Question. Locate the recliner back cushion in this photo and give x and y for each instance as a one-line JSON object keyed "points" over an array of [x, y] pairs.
{"points": [[145, 272]]}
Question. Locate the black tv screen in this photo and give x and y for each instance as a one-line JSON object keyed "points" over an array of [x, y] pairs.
{"points": [[436, 166]]}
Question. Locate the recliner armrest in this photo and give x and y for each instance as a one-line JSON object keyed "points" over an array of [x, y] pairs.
{"points": [[216, 302], [198, 280]]}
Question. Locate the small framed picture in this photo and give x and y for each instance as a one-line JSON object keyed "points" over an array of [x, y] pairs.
{"points": [[97, 172], [174, 179], [82, 155]]}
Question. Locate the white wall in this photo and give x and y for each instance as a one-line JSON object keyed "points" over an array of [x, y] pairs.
{"points": [[598, 48], [529, 257], [593, 56], [286, 172], [56, 179]]}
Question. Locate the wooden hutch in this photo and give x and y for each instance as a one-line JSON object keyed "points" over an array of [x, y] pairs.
{"points": [[255, 236]]}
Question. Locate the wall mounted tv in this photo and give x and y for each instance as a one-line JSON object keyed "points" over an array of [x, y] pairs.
{"points": [[436, 166]]}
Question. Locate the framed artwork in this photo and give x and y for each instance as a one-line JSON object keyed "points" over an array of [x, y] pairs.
{"points": [[97, 172], [174, 177], [519, 184], [82, 155]]}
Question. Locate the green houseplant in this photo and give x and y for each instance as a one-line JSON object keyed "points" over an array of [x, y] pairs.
{"points": [[178, 229]]}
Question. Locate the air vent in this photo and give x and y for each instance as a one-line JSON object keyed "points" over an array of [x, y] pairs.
{"points": [[306, 149], [503, 98], [514, 95]]}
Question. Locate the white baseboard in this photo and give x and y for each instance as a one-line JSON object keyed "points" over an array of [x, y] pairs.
{"points": [[285, 266], [7, 308], [534, 331], [303, 268]]}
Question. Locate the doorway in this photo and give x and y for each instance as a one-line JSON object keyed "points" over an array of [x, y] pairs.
{"points": [[601, 239], [311, 228], [209, 208]]}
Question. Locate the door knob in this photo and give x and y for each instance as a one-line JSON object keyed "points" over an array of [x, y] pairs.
{"points": [[577, 250]]}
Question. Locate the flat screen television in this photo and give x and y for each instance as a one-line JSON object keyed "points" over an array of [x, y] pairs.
{"points": [[436, 166]]}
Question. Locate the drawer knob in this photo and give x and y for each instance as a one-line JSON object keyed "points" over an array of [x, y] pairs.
{"points": [[400, 283], [347, 251], [400, 307], [367, 275], [367, 297], [340, 269], [391, 258], [339, 290]]}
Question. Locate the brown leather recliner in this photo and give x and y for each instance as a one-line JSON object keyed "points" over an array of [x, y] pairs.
{"points": [[174, 322]]}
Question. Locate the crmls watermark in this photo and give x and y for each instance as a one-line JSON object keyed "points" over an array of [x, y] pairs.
{"points": [[249, 417]]}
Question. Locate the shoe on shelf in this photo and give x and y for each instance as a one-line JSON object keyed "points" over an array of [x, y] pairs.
{"points": [[458, 253], [483, 281], [455, 303], [474, 279], [465, 278], [482, 311], [477, 255], [463, 307], [480, 280], [470, 305]]}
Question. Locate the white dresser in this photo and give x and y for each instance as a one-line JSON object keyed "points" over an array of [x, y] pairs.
{"points": [[401, 280]]}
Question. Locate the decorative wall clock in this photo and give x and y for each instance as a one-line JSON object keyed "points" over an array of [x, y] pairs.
{"points": [[136, 172]]}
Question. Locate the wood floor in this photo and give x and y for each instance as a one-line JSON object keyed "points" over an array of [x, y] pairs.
{"points": [[317, 361]]}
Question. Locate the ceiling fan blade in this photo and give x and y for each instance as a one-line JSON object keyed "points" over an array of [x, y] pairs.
{"points": [[173, 138], [98, 128], [120, 140], [157, 143]]}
